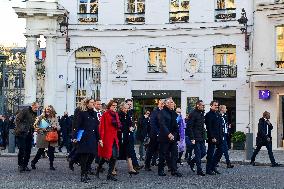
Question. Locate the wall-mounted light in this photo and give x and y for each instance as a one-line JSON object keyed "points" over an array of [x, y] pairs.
{"points": [[63, 28], [244, 20]]}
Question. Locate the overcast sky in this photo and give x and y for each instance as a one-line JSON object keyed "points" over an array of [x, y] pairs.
{"points": [[12, 28]]}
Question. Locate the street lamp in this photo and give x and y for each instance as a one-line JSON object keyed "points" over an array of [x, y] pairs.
{"points": [[244, 20], [64, 30]]}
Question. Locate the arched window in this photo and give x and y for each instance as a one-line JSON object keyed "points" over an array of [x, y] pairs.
{"points": [[88, 11]]}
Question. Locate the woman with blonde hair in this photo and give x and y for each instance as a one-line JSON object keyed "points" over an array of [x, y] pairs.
{"points": [[44, 124]]}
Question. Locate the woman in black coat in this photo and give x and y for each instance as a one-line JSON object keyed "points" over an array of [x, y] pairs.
{"points": [[126, 145], [88, 144]]}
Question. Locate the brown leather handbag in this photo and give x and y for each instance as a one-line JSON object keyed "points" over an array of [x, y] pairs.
{"points": [[51, 136]]}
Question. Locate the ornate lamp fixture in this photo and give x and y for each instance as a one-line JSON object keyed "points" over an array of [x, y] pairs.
{"points": [[244, 20], [64, 31]]}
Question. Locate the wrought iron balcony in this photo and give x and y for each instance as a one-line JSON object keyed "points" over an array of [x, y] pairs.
{"points": [[225, 14], [279, 64], [135, 18], [224, 71]]}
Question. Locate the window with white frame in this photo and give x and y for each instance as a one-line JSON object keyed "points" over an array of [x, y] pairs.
{"points": [[179, 11], [88, 11], [157, 60], [225, 55], [225, 10], [280, 46], [135, 11]]}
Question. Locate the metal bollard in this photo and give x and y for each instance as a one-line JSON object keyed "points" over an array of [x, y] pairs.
{"points": [[11, 147], [249, 145]]}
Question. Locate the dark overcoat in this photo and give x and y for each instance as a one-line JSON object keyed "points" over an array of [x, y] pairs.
{"points": [[88, 122]]}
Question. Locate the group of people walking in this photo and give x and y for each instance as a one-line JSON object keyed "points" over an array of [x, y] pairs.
{"points": [[108, 135]]}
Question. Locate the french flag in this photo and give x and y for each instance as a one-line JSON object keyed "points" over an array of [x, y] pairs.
{"points": [[40, 54]]}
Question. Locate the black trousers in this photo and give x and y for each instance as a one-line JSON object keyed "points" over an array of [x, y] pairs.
{"points": [[151, 151], [84, 163], [50, 154], [269, 149], [168, 152], [25, 146], [214, 154], [90, 161], [200, 152], [111, 165]]}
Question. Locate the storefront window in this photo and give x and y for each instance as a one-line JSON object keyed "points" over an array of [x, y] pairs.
{"points": [[135, 11], [88, 11], [225, 55], [179, 11], [225, 10], [157, 60], [280, 47]]}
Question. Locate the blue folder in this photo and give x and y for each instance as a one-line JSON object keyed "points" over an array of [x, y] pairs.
{"points": [[79, 135], [43, 124]]}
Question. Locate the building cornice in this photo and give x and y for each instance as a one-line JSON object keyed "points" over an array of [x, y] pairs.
{"points": [[32, 12]]}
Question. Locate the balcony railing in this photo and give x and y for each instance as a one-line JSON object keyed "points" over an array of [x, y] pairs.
{"points": [[225, 14], [279, 64], [135, 18], [224, 71], [87, 18]]}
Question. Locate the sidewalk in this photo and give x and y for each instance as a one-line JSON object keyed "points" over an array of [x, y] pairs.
{"points": [[236, 156]]}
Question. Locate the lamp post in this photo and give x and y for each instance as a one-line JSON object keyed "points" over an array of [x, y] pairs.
{"points": [[3, 59], [244, 20], [64, 31]]}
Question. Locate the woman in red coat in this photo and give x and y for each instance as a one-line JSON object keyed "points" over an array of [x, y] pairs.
{"points": [[108, 148]]}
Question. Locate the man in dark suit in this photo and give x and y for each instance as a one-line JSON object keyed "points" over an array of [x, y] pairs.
{"points": [[168, 137], [196, 132], [214, 133], [264, 139], [154, 133]]}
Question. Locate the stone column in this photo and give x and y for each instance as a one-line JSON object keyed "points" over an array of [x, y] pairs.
{"points": [[50, 71], [31, 74]]}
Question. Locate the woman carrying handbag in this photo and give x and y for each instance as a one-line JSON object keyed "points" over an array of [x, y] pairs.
{"points": [[46, 126]]}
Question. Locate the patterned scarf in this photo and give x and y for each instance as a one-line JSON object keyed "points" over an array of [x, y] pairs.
{"points": [[115, 119]]}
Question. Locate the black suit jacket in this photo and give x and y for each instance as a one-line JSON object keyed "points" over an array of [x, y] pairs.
{"points": [[168, 124], [214, 126], [195, 126], [264, 132]]}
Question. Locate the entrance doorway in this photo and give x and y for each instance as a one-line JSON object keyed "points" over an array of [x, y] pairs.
{"points": [[228, 98], [148, 99]]}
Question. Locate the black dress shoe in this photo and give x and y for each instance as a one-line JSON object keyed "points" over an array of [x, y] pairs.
{"points": [[33, 165], [27, 168], [71, 166], [201, 173], [217, 172], [21, 169], [191, 164], [91, 172], [111, 177], [210, 173], [177, 174], [252, 163], [162, 173], [133, 173], [229, 165], [275, 165], [52, 168]]}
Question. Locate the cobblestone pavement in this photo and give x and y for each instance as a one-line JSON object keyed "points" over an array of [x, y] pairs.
{"points": [[242, 176]]}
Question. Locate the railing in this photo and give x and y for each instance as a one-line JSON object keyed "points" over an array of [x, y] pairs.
{"points": [[179, 16], [279, 64], [87, 18], [135, 18], [224, 71], [225, 14]]}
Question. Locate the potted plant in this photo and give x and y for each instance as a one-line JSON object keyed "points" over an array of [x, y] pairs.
{"points": [[238, 139]]}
